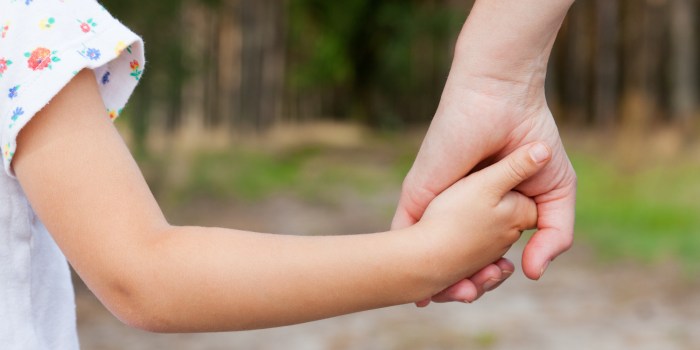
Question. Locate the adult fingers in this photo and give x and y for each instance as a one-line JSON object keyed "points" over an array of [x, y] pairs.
{"points": [[463, 291], [402, 218], [555, 230], [486, 281], [415, 197], [471, 289], [507, 268], [448, 153], [515, 168], [423, 303]]}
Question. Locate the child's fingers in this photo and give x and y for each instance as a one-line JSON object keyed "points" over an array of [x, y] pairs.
{"points": [[515, 168], [523, 208]]}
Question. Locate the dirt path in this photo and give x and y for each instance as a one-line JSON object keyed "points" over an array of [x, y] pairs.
{"points": [[580, 304]]}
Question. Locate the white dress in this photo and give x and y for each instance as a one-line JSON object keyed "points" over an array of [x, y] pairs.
{"points": [[43, 44]]}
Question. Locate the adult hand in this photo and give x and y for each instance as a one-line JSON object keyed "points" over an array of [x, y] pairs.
{"points": [[494, 102], [470, 289]]}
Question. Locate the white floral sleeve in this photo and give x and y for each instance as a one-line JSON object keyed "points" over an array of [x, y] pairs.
{"points": [[44, 43]]}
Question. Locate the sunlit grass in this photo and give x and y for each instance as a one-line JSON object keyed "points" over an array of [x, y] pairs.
{"points": [[650, 214]]}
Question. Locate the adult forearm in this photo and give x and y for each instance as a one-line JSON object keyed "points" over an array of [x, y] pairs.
{"points": [[211, 279], [510, 40]]}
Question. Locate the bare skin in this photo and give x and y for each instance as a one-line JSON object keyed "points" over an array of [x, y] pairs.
{"points": [[86, 188], [493, 103]]}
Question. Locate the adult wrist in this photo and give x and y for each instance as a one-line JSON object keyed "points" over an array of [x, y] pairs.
{"points": [[510, 40]]}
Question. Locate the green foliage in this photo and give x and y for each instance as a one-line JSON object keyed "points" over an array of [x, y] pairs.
{"points": [[652, 214], [378, 56], [383, 62]]}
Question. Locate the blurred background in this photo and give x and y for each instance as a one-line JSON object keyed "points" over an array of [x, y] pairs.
{"points": [[303, 116]]}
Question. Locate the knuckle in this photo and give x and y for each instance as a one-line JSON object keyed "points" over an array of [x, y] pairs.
{"points": [[508, 204], [415, 196], [571, 179], [574, 179], [521, 210], [531, 214], [512, 236], [407, 183], [517, 171], [532, 219]]}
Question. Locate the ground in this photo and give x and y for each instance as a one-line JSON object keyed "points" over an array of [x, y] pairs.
{"points": [[580, 304]]}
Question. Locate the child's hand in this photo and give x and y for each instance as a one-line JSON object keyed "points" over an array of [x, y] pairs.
{"points": [[476, 220]]}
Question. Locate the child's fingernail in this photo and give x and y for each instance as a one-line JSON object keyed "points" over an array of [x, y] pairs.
{"points": [[544, 267], [491, 283], [539, 153]]}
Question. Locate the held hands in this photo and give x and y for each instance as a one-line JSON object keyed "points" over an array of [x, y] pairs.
{"points": [[489, 120], [493, 103], [476, 220]]}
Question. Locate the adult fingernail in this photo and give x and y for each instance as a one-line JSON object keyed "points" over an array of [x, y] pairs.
{"points": [[539, 152], [544, 267], [505, 274], [491, 283]]}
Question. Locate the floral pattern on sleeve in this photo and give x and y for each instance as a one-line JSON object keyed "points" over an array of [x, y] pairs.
{"points": [[41, 58], [43, 44], [4, 64]]}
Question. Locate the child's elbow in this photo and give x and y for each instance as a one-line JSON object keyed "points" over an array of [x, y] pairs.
{"points": [[148, 323], [136, 309], [137, 319], [134, 297]]}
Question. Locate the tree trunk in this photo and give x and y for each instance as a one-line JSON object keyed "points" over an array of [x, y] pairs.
{"points": [[637, 103], [251, 69], [263, 61], [684, 57], [578, 50], [606, 67], [211, 70], [229, 63], [274, 58], [193, 96]]}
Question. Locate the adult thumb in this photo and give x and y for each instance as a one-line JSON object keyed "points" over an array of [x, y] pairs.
{"points": [[515, 168]]}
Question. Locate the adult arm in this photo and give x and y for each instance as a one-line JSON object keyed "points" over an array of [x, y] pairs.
{"points": [[494, 102]]}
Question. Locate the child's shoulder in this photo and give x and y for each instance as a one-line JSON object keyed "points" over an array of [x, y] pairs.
{"points": [[44, 44]]}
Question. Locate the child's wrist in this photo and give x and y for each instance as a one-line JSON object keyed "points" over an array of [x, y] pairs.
{"points": [[437, 265]]}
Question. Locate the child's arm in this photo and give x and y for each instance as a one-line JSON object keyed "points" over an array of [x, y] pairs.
{"points": [[85, 186]]}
